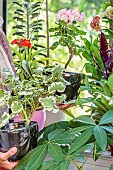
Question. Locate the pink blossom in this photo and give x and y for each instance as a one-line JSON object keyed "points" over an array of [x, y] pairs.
{"points": [[69, 16], [81, 17], [61, 14]]}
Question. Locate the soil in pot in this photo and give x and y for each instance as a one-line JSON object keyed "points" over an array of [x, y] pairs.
{"points": [[19, 135]]}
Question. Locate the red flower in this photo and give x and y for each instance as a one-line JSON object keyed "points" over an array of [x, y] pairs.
{"points": [[22, 43], [26, 43], [18, 42], [95, 23]]}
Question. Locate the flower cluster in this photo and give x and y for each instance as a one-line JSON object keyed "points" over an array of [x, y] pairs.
{"points": [[22, 43], [69, 16]]}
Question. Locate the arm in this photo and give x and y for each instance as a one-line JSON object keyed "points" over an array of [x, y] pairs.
{"points": [[4, 162]]}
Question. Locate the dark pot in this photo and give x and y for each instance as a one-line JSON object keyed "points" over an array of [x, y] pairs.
{"points": [[19, 135], [72, 90]]}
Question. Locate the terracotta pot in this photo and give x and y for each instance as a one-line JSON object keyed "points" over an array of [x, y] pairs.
{"points": [[19, 135], [39, 116]]}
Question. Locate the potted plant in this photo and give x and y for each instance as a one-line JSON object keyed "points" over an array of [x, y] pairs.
{"points": [[67, 34], [27, 96]]}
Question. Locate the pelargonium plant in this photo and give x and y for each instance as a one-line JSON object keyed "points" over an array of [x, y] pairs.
{"points": [[67, 31]]}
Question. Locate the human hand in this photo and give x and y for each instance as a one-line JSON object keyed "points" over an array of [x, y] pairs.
{"points": [[4, 162]]}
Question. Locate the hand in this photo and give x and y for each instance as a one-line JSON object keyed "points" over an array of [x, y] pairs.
{"points": [[4, 162]]}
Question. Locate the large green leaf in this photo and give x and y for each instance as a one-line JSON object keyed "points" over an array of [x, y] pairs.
{"points": [[55, 152], [81, 140], [55, 133], [85, 119], [108, 128], [37, 158], [23, 162], [65, 165], [107, 118], [58, 125], [46, 165], [100, 136], [69, 136]]}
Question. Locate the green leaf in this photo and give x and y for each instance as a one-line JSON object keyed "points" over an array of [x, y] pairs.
{"points": [[55, 152], [54, 45], [68, 136], [1, 95], [58, 125], [81, 140], [56, 86], [101, 137], [84, 119], [16, 107], [78, 31], [108, 128], [46, 165], [37, 158], [107, 118], [47, 102], [110, 82], [65, 165], [23, 162], [55, 133]]}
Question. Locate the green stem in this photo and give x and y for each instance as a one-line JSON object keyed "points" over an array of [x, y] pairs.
{"points": [[78, 167], [26, 117]]}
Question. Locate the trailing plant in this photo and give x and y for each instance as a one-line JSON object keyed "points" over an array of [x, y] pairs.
{"points": [[27, 96]]}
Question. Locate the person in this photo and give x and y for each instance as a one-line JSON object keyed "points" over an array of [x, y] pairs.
{"points": [[5, 164], [6, 61]]}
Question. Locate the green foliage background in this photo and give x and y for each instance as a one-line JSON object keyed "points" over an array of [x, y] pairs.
{"points": [[90, 8]]}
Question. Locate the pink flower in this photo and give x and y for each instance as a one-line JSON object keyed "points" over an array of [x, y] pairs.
{"points": [[69, 16], [81, 17], [61, 15]]}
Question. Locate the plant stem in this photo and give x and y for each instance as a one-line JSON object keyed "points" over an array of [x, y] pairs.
{"points": [[71, 52], [47, 30], [78, 167], [26, 117], [27, 19]]}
